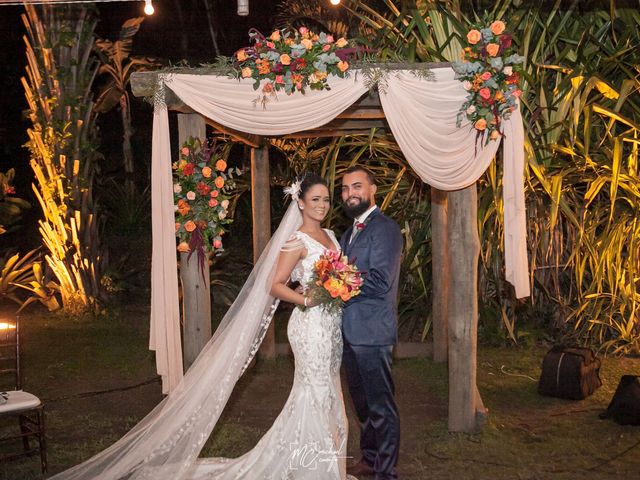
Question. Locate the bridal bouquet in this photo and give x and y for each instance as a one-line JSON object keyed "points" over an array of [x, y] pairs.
{"points": [[334, 280]]}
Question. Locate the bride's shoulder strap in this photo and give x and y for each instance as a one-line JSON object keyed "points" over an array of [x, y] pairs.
{"points": [[294, 242]]}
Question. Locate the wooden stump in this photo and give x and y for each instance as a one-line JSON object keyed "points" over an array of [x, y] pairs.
{"points": [[439, 273], [466, 412], [196, 297], [261, 208]]}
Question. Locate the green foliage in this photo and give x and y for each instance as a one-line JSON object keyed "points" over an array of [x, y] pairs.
{"points": [[11, 208]]}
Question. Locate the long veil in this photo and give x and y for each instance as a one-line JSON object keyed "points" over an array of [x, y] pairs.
{"points": [[166, 443]]}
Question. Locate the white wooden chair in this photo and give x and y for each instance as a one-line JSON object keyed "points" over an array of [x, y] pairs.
{"points": [[15, 402]]}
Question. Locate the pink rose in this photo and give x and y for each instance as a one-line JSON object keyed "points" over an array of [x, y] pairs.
{"points": [[185, 151], [485, 93], [326, 47], [485, 76], [217, 243], [303, 30], [271, 45], [191, 195], [213, 203], [279, 79], [215, 193], [517, 93], [329, 38]]}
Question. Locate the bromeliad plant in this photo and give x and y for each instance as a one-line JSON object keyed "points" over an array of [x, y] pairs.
{"points": [[490, 72], [292, 60], [201, 190]]}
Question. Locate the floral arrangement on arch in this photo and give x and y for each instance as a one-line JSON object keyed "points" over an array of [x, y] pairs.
{"points": [[202, 187], [292, 60], [490, 72]]}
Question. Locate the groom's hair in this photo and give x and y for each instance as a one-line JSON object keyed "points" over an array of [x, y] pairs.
{"points": [[360, 168]]}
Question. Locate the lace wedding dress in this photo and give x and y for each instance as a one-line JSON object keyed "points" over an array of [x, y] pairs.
{"points": [[308, 439]]}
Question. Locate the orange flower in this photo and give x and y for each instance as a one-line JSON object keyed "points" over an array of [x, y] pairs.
{"points": [[219, 182], [189, 226], [481, 124], [246, 72], [343, 66], [342, 42], [494, 135], [497, 27], [177, 226], [184, 247], [221, 165], [206, 172], [267, 87], [263, 66], [275, 36], [320, 75], [183, 207], [306, 43], [474, 36], [242, 55], [493, 49], [285, 59]]}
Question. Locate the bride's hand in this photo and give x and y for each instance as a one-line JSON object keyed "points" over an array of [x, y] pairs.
{"points": [[312, 300]]}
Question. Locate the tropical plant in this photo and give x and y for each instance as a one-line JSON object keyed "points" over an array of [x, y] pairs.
{"points": [[117, 65], [16, 273], [60, 73], [11, 207]]}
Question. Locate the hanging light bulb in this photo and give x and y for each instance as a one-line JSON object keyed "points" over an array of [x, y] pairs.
{"points": [[148, 7], [243, 8], [335, 2]]}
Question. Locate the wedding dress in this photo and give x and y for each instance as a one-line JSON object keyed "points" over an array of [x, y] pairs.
{"points": [[307, 440]]}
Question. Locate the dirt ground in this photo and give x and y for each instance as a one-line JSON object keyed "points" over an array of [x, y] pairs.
{"points": [[83, 370]]}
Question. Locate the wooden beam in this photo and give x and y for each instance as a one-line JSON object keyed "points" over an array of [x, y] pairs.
{"points": [[439, 273], [195, 280], [466, 411], [254, 141], [261, 209]]}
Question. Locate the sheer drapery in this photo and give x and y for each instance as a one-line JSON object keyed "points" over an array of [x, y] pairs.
{"points": [[422, 116]]}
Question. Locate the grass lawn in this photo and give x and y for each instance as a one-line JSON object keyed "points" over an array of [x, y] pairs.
{"points": [[68, 362]]}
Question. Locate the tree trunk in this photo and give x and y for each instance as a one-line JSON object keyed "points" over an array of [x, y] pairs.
{"points": [[196, 296], [127, 151], [261, 208], [440, 273], [466, 411]]}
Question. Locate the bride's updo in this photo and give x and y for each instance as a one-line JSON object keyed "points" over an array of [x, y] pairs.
{"points": [[309, 180]]}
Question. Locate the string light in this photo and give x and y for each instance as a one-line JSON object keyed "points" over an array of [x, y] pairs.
{"points": [[51, 2], [335, 2], [243, 8], [148, 7]]}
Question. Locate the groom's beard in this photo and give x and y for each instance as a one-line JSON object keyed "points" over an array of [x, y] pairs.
{"points": [[356, 209]]}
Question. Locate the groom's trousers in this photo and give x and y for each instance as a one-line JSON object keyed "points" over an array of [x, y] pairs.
{"points": [[371, 387]]}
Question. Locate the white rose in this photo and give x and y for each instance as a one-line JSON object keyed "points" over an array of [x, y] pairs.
{"points": [[467, 85], [507, 70], [191, 195], [222, 215], [471, 109], [177, 188], [225, 204]]}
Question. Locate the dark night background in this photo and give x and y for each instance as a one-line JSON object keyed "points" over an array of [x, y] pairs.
{"points": [[166, 35]]}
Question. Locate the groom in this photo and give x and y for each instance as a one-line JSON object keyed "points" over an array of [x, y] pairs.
{"points": [[369, 325]]}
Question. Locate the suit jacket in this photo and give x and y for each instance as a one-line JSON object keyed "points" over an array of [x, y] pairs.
{"points": [[371, 318]]}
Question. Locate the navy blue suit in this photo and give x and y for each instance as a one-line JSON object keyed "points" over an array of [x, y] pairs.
{"points": [[369, 328]]}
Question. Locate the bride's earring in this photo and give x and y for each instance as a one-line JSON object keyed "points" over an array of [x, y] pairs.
{"points": [[300, 207]]}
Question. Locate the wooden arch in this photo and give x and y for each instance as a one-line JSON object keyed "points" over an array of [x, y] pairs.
{"points": [[454, 235]]}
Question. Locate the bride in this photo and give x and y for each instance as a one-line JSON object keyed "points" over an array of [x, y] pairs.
{"points": [[308, 438]]}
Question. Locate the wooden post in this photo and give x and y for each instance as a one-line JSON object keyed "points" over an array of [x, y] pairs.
{"points": [[439, 273], [261, 208], [466, 411], [196, 298]]}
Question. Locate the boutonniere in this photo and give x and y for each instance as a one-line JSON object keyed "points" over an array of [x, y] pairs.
{"points": [[360, 226]]}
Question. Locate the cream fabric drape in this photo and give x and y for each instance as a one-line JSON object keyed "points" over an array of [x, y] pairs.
{"points": [[422, 116]]}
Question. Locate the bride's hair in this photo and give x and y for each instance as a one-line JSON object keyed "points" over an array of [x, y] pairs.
{"points": [[309, 180]]}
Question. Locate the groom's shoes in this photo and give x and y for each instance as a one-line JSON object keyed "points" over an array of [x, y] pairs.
{"points": [[360, 468]]}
